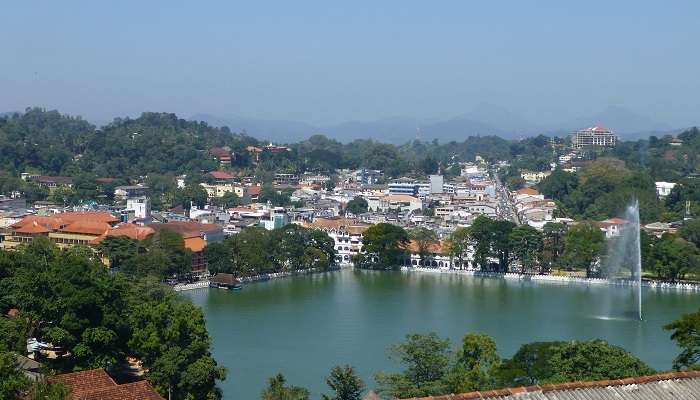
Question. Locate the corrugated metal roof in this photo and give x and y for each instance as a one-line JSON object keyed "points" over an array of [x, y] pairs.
{"points": [[677, 386]]}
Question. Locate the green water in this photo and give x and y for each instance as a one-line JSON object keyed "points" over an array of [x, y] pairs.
{"points": [[303, 326]]}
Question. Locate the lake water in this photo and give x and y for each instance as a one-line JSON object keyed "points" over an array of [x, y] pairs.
{"points": [[303, 326]]}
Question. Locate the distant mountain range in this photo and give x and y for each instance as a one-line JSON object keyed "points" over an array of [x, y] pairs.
{"points": [[484, 119]]}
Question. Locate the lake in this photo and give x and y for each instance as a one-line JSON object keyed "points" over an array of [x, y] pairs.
{"points": [[303, 326]]}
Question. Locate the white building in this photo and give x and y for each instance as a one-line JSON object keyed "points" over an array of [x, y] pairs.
{"points": [[596, 136], [393, 202], [141, 206], [663, 189], [346, 234]]}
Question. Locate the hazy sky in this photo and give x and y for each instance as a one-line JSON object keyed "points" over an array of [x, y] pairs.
{"points": [[326, 62]]}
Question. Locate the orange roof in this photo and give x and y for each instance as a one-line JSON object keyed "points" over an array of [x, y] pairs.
{"points": [[221, 175], [338, 223], [400, 197], [95, 216], [438, 247], [132, 231], [254, 190], [33, 228], [87, 227], [187, 229], [195, 244], [528, 191], [253, 149], [50, 223]]}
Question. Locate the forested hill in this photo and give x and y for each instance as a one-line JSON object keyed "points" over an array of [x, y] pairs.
{"points": [[54, 144], [47, 142]]}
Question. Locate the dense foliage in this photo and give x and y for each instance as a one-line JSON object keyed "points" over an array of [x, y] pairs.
{"points": [[68, 298], [431, 367], [257, 251]]}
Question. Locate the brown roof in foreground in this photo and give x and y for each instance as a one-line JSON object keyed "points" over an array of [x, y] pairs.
{"points": [[437, 247], [672, 385], [131, 231], [97, 385]]}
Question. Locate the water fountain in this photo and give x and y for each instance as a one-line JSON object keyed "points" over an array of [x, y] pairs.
{"points": [[624, 259]]}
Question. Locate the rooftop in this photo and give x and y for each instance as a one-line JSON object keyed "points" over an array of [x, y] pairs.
{"points": [[97, 385], [675, 385]]}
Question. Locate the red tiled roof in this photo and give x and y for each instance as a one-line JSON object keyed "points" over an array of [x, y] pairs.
{"points": [[59, 180], [254, 190], [529, 191], [33, 228], [80, 383], [97, 385], [438, 247], [221, 175], [187, 229], [87, 227], [132, 231]]}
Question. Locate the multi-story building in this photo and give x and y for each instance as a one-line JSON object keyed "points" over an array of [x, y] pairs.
{"points": [[403, 186], [65, 229], [346, 233], [596, 136]]}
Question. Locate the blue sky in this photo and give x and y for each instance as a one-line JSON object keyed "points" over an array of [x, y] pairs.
{"points": [[327, 62]]}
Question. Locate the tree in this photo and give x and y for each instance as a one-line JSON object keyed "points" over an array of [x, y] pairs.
{"points": [[558, 362], [119, 249], [476, 366], [424, 239], [384, 244], [553, 244], [527, 243], [673, 257], [170, 338], [228, 200], [426, 359], [345, 384], [12, 380], [690, 231], [460, 244], [191, 195], [278, 390], [219, 257], [357, 205], [685, 334], [166, 254], [583, 245], [558, 185]]}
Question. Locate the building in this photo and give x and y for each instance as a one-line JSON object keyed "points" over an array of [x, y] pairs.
{"points": [[663, 189], [667, 386], [221, 177], [436, 184], [346, 233], [196, 236], [534, 176], [223, 155], [53, 182], [403, 186], [64, 229], [436, 255], [96, 384], [612, 227], [141, 206], [275, 218], [393, 202], [596, 136], [220, 189], [124, 192]]}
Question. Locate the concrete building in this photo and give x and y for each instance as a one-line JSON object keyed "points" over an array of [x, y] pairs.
{"points": [[141, 206], [436, 184], [346, 233], [663, 189], [403, 186], [596, 136]]}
